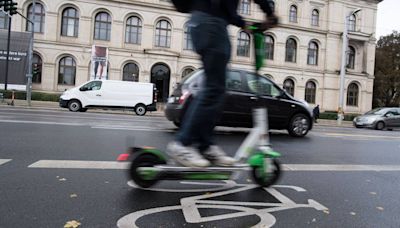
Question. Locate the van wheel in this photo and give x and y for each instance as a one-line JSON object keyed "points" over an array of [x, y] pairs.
{"points": [[74, 105], [299, 125], [140, 110]]}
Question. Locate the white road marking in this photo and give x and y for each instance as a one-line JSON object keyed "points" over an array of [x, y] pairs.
{"points": [[362, 136], [79, 164], [4, 161], [74, 164], [131, 128], [41, 122]]}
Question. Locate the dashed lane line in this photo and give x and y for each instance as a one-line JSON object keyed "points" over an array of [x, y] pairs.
{"points": [[4, 161], [365, 136], [114, 165]]}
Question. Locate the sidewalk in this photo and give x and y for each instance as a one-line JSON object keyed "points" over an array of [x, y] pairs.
{"points": [[49, 105]]}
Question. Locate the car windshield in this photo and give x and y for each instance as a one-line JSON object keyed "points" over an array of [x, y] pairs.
{"points": [[377, 111]]}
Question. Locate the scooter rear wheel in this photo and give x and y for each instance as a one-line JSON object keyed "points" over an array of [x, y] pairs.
{"points": [[143, 160], [266, 179]]}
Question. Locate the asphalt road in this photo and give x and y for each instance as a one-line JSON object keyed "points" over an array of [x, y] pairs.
{"points": [[58, 167]]}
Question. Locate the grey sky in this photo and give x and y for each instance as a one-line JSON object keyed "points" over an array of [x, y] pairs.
{"points": [[388, 17]]}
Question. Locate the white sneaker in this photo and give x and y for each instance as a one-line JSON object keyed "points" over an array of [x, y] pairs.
{"points": [[218, 157], [186, 155]]}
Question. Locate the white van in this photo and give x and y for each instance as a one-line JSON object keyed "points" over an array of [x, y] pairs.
{"points": [[138, 96]]}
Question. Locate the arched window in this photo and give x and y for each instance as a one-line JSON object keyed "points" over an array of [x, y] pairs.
{"points": [[130, 72], [288, 86], [3, 20], [188, 43], [133, 31], [269, 47], [352, 23], [315, 18], [293, 14], [352, 94], [67, 71], [312, 56], [351, 57], [310, 92], [36, 68], [163, 34], [102, 29], [39, 18], [244, 7], [291, 50], [187, 71], [243, 45], [70, 22]]}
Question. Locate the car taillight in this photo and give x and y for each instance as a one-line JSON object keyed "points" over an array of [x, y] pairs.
{"points": [[184, 96]]}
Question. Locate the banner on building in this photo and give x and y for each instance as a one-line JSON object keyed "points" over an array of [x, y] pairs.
{"points": [[99, 64], [17, 60]]}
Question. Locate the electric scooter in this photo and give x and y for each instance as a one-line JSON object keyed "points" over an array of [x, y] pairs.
{"points": [[149, 165]]}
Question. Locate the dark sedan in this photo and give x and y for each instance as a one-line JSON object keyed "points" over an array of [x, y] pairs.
{"points": [[284, 111]]}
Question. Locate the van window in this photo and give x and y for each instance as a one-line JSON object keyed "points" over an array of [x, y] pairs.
{"points": [[265, 87], [233, 81], [95, 85]]}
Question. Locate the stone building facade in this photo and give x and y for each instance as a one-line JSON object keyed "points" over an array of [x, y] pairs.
{"points": [[147, 41]]}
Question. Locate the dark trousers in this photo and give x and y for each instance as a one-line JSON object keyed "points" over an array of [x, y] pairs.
{"points": [[211, 41]]}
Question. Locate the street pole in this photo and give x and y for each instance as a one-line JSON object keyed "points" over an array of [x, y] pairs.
{"points": [[340, 116], [29, 74], [8, 52]]}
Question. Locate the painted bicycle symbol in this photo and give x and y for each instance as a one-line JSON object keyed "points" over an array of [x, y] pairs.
{"points": [[190, 206]]}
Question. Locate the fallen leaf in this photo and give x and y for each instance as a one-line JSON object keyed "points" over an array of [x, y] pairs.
{"points": [[352, 213], [73, 195], [72, 224], [62, 179], [106, 182], [57, 177], [372, 193], [326, 212], [379, 208], [313, 220]]}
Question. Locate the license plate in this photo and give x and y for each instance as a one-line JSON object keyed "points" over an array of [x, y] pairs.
{"points": [[171, 99]]}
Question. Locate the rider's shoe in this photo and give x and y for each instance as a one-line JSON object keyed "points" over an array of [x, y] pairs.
{"points": [[186, 155], [218, 157]]}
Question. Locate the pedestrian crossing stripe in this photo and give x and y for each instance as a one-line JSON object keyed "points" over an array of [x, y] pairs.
{"points": [[4, 161]]}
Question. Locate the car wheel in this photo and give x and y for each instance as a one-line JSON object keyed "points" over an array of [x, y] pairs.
{"points": [[74, 105], [83, 109], [299, 125], [380, 125], [140, 110]]}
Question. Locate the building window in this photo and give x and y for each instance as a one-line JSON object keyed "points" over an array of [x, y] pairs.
{"points": [[39, 18], [293, 14], [310, 92], [67, 71], [244, 7], [102, 29], [269, 47], [352, 95], [3, 20], [291, 50], [133, 33], [288, 86], [243, 46], [187, 71], [163, 34], [312, 57], [130, 72], [272, 4], [188, 45], [70, 22], [351, 57], [315, 18], [352, 23], [36, 68]]}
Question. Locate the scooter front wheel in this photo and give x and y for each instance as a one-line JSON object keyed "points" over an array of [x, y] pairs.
{"points": [[144, 160], [265, 179]]}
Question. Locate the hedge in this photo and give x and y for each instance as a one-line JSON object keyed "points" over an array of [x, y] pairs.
{"points": [[332, 115], [37, 96]]}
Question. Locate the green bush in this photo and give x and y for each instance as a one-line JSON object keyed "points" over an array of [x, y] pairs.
{"points": [[36, 96], [332, 115]]}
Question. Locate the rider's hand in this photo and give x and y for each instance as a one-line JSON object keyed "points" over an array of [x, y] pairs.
{"points": [[270, 22]]}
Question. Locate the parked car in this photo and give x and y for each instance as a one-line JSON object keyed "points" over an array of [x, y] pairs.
{"points": [[284, 111], [379, 118], [138, 96]]}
